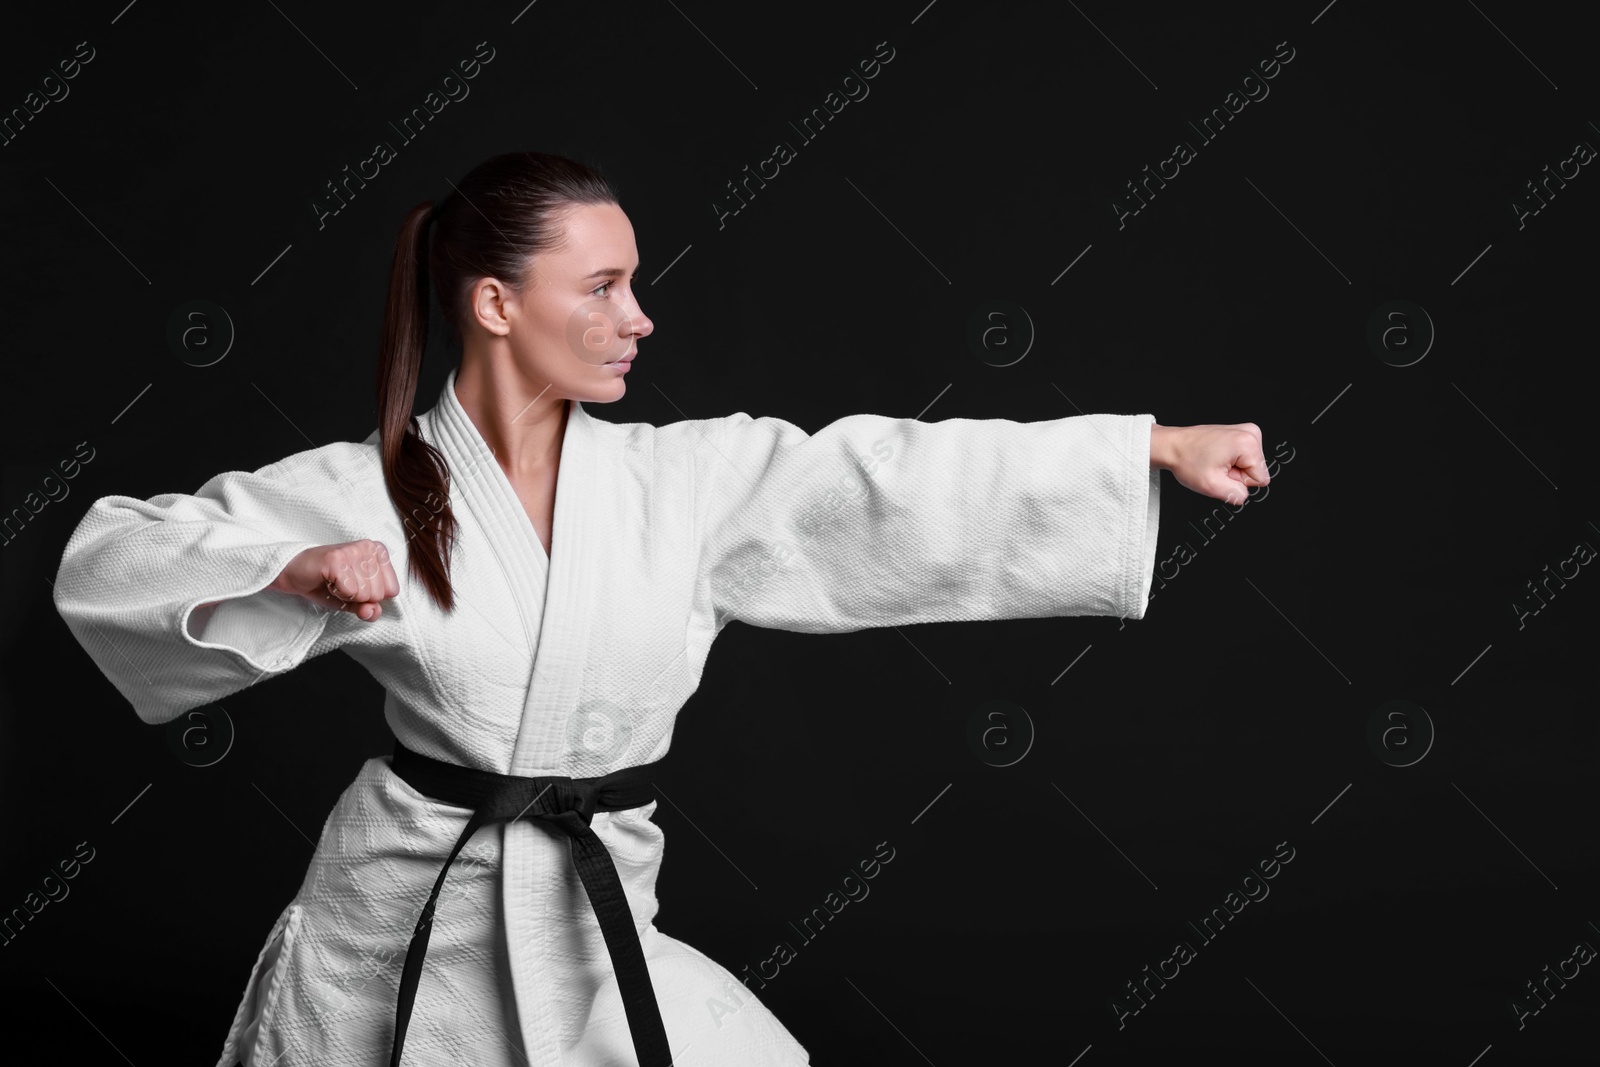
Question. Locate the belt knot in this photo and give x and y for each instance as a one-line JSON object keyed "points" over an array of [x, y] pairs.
{"points": [[563, 796], [557, 799]]}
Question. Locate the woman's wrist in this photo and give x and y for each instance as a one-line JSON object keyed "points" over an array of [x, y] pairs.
{"points": [[1161, 457]]}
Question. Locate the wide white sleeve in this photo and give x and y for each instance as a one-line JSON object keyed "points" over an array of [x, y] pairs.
{"points": [[878, 521], [135, 573]]}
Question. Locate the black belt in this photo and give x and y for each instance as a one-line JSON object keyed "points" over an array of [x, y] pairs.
{"points": [[564, 805]]}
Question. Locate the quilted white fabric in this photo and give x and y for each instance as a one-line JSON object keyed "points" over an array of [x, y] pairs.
{"points": [[575, 664]]}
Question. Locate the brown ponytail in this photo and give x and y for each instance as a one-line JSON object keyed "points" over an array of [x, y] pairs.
{"points": [[417, 475], [504, 212]]}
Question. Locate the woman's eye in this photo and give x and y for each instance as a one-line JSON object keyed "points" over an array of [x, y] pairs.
{"points": [[605, 285]]}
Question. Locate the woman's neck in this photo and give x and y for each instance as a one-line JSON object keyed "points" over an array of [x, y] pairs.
{"points": [[520, 421]]}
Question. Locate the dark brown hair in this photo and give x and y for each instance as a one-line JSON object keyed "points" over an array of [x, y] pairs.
{"points": [[504, 212]]}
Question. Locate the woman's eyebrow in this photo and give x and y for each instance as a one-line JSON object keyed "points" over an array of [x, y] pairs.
{"points": [[610, 272]]}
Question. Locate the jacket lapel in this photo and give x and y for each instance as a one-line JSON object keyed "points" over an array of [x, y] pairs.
{"points": [[542, 746], [553, 612]]}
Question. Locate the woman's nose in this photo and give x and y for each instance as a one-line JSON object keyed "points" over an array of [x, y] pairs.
{"points": [[639, 323]]}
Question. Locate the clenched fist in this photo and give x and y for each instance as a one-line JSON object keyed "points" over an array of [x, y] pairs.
{"points": [[351, 577], [1213, 460]]}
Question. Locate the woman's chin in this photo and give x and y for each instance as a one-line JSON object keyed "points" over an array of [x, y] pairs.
{"points": [[605, 392]]}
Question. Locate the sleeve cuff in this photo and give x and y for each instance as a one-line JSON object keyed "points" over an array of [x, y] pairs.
{"points": [[1144, 521], [270, 631]]}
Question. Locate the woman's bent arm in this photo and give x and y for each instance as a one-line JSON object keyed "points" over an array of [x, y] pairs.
{"points": [[173, 597]]}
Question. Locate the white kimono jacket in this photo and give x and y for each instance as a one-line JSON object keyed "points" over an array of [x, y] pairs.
{"points": [[575, 665]]}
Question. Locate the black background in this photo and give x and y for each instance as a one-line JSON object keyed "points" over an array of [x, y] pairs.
{"points": [[1383, 564]]}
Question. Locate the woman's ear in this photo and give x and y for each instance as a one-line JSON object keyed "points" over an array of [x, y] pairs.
{"points": [[492, 306]]}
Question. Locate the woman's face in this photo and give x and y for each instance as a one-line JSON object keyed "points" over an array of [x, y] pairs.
{"points": [[575, 326]]}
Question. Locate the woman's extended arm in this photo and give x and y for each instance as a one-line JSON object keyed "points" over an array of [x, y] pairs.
{"points": [[877, 521]]}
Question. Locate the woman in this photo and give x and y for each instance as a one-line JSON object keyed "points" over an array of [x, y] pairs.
{"points": [[525, 685]]}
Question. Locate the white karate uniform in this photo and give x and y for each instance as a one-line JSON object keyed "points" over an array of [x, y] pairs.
{"points": [[575, 664]]}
